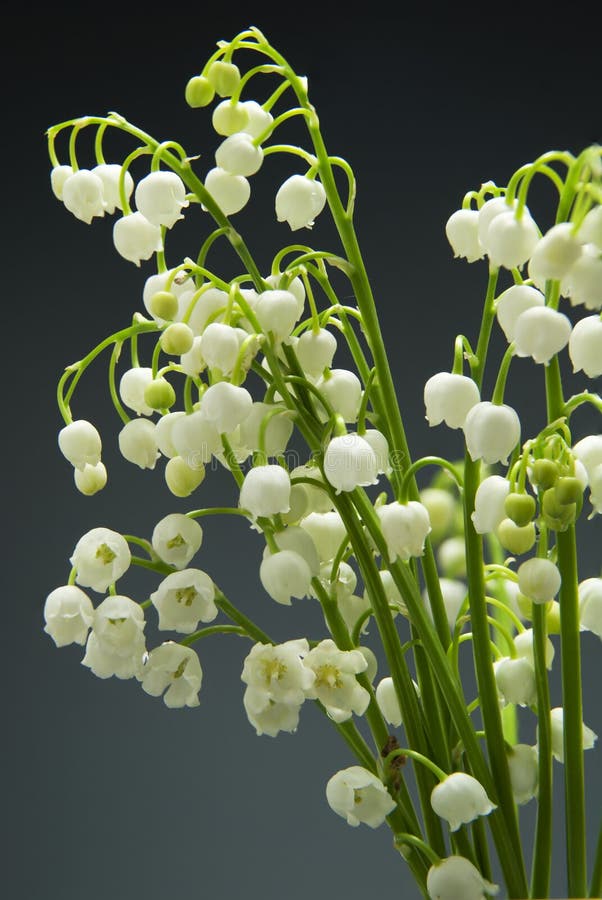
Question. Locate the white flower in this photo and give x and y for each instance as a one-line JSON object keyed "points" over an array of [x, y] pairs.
{"points": [[455, 878], [453, 593], [462, 230], [194, 438], [318, 499], [228, 117], [277, 431], [138, 443], [380, 446], [101, 556], [386, 697], [83, 195], [193, 362], [226, 406], [277, 312], [220, 346], [441, 508], [299, 200], [590, 605], [277, 683], [488, 212], [181, 478], [90, 479], [164, 432], [555, 255], [344, 582], [230, 192], [589, 452], [184, 598], [315, 351], [335, 683], [58, 177], [539, 579], [405, 527], [283, 282], [511, 241], [523, 768], [590, 231], [583, 281], [132, 388], [523, 645], [515, 679], [448, 398], [259, 119], [343, 390], [284, 575], [110, 174], [68, 613], [104, 663], [80, 443], [585, 346], [175, 670], [491, 431], [451, 556], [557, 721], [160, 197], [460, 799], [176, 538], [116, 643], [135, 238], [514, 301], [350, 461], [268, 717], [238, 155], [266, 491], [541, 332], [357, 795], [295, 538], [166, 282], [489, 503]]}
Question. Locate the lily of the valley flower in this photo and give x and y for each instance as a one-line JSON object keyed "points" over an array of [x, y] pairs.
{"points": [[160, 197], [523, 769], [386, 697], [335, 683], [226, 406], [238, 155], [116, 643], [266, 491], [456, 878], [405, 527], [110, 175], [448, 398], [462, 230], [90, 479], [515, 679], [230, 192], [175, 672], [539, 579], [183, 598], [80, 443], [83, 195], [138, 443], [589, 737], [350, 461], [541, 332], [277, 684], [590, 605], [176, 538], [299, 200], [585, 346], [135, 238], [357, 795], [68, 613], [512, 303], [491, 431], [460, 799], [101, 556], [285, 575], [315, 351]]}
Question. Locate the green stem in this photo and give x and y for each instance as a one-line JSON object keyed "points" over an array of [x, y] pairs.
{"points": [[542, 851], [595, 889]]}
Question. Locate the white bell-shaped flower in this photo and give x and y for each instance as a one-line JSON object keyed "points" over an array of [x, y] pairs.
{"points": [[315, 351], [350, 461], [175, 672], [105, 663], [295, 538], [166, 282], [335, 684], [386, 697], [164, 432], [116, 643], [585, 346], [160, 197], [285, 575], [392, 593], [238, 155], [491, 431], [132, 388], [523, 645], [181, 479], [539, 579], [194, 438], [68, 613], [277, 432], [557, 722], [110, 174], [193, 362], [276, 674], [268, 717], [448, 398], [357, 795], [541, 332], [489, 504], [515, 679], [453, 593], [497, 206], [266, 491], [510, 241], [277, 312], [589, 452], [183, 599], [582, 284], [101, 556], [226, 406], [345, 579], [230, 192], [590, 230], [405, 527], [462, 230], [380, 446], [176, 538], [91, 479], [460, 799], [58, 177], [207, 305], [512, 303], [220, 346], [80, 443], [318, 499], [83, 195], [590, 606], [228, 117], [524, 773], [283, 282], [456, 878], [138, 443], [557, 251], [259, 119], [299, 200], [343, 390], [135, 238], [352, 607], [327, 531]]}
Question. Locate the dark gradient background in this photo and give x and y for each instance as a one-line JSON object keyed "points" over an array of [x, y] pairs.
{"points": [[107, 793]]}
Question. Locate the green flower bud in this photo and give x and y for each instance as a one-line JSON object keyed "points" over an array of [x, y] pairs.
{"points": [[177, 339], [441, 508], [520, 508], [525, 606], [164, 305], [199, 92], [568, 490], [515, 538], [545, 473], [181, 478], [557, 516], [159, 394], [553, 617], [224, 77]]}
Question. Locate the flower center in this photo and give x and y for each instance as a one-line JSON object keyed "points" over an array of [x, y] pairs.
{"points": [[272, 670], [328, 676], [186, 596], [177, 541], [180, 670], [105, 554]]}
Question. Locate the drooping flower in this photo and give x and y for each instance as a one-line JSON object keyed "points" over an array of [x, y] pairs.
{"points": [[557, 251], [277, 684], [110, 175], [491, 431], [285, 575], [132, 388], [160, 197], [135, 238], [524, 774], [116, 643], [101, 556], [448, 398], [489, 503], [226, 406], [138, 443], [183, 599], [83, 195], [590, 605], [462, 230], [523, 645], [357, 795], [585, 346], [541, 332], [405, 527], [456, 878], [58, 177], [589, 737], [259, 119], [326, 530], [174, 671], [386, 697], [515, 679], [238, 155], [277, 312], [230, 192], [539, 579], [266, 491], [277, 428], [80, 443], [512, 303], [68, 613], [91, 479], [350, 461], [343, 390], [335, 683], [510, 241], [460, 799], [176, 538], [299, 200], [315, 351]]}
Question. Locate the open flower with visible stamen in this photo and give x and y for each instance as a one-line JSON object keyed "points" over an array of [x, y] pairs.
{"points": [[460, 799], [277, 684], [183, 598], [174, 671], [176, 538], [116, 643], [101, 556], [335, 683], [357, 795]]}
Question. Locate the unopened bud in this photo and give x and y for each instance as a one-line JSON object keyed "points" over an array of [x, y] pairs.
{"points": [[159, 394]]}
